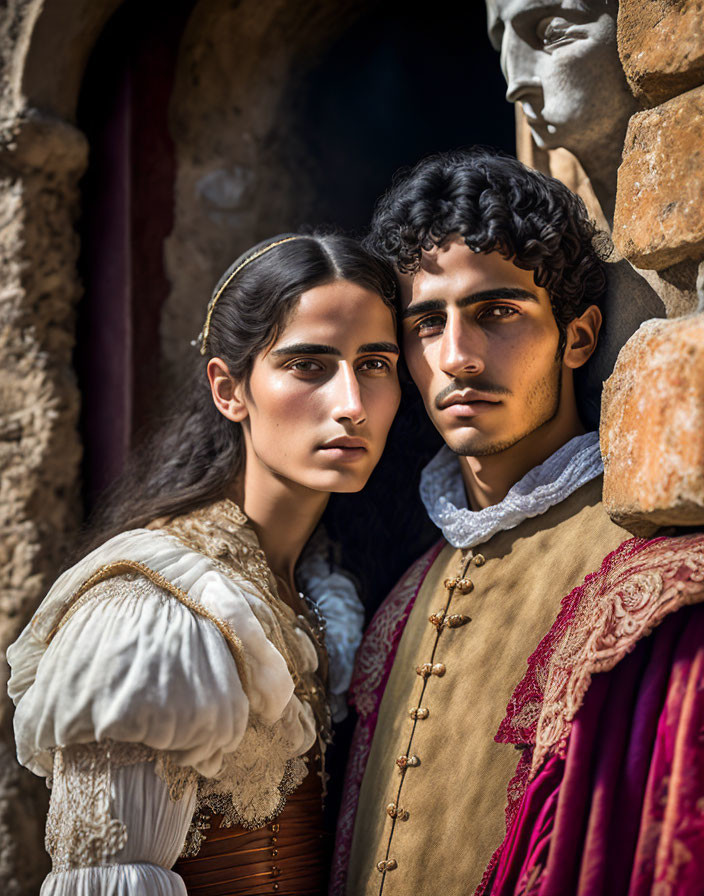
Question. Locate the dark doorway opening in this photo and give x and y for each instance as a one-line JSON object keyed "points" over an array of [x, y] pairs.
{"points": [[127, 212]]}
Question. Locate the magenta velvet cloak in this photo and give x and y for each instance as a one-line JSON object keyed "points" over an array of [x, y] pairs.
{"points": [[608, 795]]}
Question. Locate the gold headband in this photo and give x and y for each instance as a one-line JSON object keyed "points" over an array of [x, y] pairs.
{"points": [[203, 337]]}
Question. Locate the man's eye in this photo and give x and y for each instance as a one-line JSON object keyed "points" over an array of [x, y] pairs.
{"points": [[430, 325], [497, 312], [551, 29]]}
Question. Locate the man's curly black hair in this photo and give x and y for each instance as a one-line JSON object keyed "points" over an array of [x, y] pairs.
{"points": [[497, 204]]}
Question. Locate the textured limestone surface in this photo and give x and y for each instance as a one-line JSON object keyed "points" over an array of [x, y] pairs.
{"points": [[40, 161], [661, 44], [43, 47], [659, 217], [652, 427]]}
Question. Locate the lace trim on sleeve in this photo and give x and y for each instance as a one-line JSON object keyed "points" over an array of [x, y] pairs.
{"points": [[243, 794], [80, 830], [251, 790]]}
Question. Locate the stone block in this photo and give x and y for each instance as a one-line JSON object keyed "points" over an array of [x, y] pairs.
{"points": [[661, 44], [659, 217], [652, 427]]}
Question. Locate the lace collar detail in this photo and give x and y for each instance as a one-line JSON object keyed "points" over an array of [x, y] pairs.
{"points": [[442, 491]]}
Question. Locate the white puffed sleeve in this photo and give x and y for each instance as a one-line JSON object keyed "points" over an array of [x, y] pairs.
{"points": [[134, 701], [130, 667], [134, 665]]}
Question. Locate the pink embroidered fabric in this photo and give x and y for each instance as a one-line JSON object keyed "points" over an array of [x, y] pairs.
{"points": [[375, 658], [608, 796]]}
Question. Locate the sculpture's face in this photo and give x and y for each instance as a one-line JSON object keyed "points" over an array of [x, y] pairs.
{"points": [[561, 63]]}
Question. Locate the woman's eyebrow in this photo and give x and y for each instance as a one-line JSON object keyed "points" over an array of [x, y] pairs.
{"points": [[314, 348], [389, 347], [307, 348]]}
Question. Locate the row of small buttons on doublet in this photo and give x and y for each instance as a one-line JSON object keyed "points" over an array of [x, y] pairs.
{"points": [[440, 620]]}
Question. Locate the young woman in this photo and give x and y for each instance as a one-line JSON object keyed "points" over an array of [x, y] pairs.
{"points": [[172, 683]]}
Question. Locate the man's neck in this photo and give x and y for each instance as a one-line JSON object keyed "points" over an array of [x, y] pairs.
{"points": [[489, 478]]}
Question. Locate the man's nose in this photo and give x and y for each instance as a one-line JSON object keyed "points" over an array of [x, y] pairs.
{"points": [[460, 348], [348, 404], [519, 65]]}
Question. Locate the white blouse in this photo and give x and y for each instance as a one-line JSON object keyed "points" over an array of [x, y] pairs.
{"points": [[136, 700]]}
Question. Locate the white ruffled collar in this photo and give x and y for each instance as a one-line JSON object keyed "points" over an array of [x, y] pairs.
{"points": [[442, 491]]}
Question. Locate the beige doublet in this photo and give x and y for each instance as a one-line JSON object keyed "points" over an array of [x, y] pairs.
{"points": [[431, 808]]}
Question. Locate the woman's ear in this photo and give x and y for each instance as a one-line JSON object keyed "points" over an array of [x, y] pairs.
{"points": [[228, 394], [581, 337]]}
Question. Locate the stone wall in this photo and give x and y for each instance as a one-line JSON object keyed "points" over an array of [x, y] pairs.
{"points": [[236, 178], [653, 409], [240, 176], [659, 218], [42, 157]]}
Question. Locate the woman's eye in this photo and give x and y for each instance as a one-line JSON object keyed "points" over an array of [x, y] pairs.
{"points": [[497, 312], [552, 29], [305, 365], [429, 326], [375, 365]]}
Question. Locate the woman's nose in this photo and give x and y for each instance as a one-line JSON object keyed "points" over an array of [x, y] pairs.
{"points": [[348, 404]]}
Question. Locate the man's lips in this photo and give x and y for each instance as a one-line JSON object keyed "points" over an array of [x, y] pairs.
{"points": [[467, 399]]}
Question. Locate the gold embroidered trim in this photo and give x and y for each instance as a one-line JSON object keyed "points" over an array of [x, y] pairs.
{"points": [[119, 567], [615, 612]]}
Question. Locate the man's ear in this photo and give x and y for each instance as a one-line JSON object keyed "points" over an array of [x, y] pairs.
{"points": [[228, 394], [581, 336]]}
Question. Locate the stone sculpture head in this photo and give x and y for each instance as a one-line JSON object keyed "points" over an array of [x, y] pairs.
{"points": [[561, 63]]}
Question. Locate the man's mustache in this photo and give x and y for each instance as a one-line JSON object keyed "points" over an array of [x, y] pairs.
{"points": [[475, 385]]}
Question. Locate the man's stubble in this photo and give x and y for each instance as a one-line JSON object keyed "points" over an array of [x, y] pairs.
{"points": [[543, 402]]}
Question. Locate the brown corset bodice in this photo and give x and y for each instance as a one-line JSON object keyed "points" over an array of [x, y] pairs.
{"points": [[289, 857]]}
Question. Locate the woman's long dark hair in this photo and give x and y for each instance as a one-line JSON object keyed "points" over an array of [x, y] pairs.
{"points": [[192, 457]]}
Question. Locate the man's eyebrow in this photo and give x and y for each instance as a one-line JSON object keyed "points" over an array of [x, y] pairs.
{"points": [[314, 348], [503, 292], [306, 348], [424, 307], [486, 295]]}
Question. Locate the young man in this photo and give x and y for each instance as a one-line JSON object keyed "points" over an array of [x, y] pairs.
{"points": [[500, 297]]}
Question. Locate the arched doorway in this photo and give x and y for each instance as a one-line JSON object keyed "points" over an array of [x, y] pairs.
{"points": [[214, 126]]}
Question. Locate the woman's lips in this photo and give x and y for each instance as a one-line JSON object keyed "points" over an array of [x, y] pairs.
{"points": [[347, 455], [345, 448]]}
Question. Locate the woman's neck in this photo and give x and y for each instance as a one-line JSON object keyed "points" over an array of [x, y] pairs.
{"points": [[282, 514]]}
